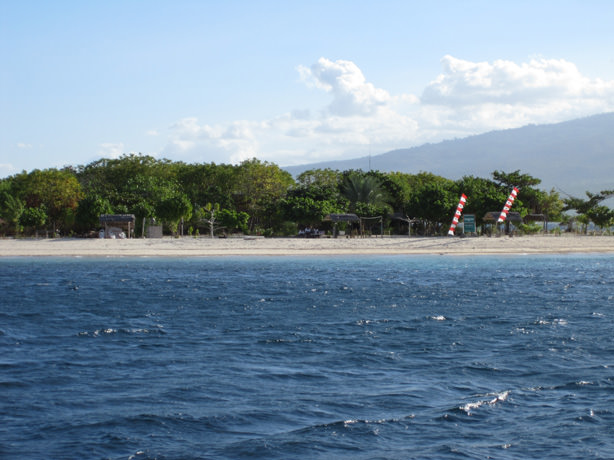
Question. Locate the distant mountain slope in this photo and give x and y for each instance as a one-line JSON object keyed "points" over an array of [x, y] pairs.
{"points": [[573, 156]]}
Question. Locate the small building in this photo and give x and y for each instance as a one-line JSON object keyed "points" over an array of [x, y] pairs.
{"points": [[114, 224]]}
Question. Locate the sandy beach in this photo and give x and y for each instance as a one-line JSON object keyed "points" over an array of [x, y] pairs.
{"points": [[202, 247]]}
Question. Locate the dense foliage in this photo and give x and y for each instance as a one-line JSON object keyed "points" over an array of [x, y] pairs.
{"points": [[257, 197]]}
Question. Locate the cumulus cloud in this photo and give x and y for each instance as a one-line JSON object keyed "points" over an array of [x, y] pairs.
{"points": [[504, 94], [466, 98], [24, 146], [232, 143], [352, 94]]}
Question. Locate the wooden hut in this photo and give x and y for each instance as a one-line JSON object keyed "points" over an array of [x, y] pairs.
{"points": [[113, 221]]}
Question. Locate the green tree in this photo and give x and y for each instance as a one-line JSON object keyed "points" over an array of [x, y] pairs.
{"points": [[515, 179], [207, 183], [397, 188], [360, 189], [315, 195], [601, 216], [11, 210], [171, 209], [583, 206], [550, 204], [258, 186], [34, 218], [434, 203], [142, 195], [326, 179], [306, 211], [588, 207], [483, 196], [233, 220], [529, 197], [108, 177], [58, 190], [89, 210]]}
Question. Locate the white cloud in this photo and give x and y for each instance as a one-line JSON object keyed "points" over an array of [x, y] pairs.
{"points": [[6, 169], [466, 98], [111, 150], [504, 94], [232, 143], [24, 146], [352, 94]]}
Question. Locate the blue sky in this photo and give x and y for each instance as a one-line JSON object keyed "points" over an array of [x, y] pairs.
{"points": [[290, 82]]}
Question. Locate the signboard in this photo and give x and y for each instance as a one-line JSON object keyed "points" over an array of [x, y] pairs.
{"points": [[469, 223]]}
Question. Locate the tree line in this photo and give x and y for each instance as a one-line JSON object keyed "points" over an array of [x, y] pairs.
{"points": [[258, 197]]}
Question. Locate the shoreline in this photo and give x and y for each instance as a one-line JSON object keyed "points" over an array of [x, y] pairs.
{"points": [[250, 246]]}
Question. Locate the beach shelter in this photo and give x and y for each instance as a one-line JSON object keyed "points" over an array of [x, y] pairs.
{"points": [[512, 217], [538, 218], [336, 218], [114, 221]]}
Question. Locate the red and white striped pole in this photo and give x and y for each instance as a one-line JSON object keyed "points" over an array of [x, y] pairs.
{"points": [[508, 205], [457, 214]]}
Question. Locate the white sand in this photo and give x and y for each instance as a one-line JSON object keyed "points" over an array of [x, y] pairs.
{"points": [[191, 247]]}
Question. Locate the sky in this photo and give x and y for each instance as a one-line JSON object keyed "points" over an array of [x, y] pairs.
{"points": [[289, 82]]}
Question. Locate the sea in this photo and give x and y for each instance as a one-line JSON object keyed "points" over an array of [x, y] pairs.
{"points": [[337, 357]]}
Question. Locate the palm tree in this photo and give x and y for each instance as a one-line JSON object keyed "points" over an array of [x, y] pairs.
{"points": [[362, 188], [12, 210]]}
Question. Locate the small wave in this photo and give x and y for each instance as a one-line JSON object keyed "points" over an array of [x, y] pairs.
{"points": [[573, 385], [127, 331], [438, 318], [498, 397], [363, 322], [348, 423], [98, 332], [356, 424]]}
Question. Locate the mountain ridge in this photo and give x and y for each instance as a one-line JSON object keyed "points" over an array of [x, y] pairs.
{"points": [[571, 156]]}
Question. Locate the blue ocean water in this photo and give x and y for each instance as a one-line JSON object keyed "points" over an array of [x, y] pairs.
{"points": [[395, 357]]}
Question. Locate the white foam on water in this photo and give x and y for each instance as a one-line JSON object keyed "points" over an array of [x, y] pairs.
{"points": [[498, 397]]}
